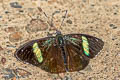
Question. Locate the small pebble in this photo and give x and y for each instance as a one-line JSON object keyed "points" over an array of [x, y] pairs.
{"points": [[10, 29], [67, 78], [22, 72], [8, 74], [115, 13], [36, 25], [15, 5], [3, 60], [113, 26], [6, 12], [21, 11], [69, 21], [0, 16], [16, 36]]}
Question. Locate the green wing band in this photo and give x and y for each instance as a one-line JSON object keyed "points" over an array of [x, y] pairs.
{"points": [[37, 52], [85, 45]]}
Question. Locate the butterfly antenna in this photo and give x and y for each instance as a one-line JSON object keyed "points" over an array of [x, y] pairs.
{"points": [[53, 16], [64, 17], [48, 21]]}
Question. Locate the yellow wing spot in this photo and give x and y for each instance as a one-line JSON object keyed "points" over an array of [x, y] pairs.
{"points": [[37, 52], [35, 45], [40, 59], [85, 45], [84, 38], [86, 50]]}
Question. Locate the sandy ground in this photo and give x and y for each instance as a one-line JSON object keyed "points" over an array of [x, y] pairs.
{"points": [[99, 18]]}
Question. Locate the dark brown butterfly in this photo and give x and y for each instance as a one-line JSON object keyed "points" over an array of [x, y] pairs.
{"points": [[60, 53]]}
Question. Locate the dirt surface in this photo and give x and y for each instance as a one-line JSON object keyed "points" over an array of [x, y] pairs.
{"points": [[18, 25]]}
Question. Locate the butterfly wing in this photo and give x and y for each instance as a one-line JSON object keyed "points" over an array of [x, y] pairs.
{"points": [[51, 60], [54, 62], [76, 45], [75, 60], [90, 45], [25, 52], [50, 56]]}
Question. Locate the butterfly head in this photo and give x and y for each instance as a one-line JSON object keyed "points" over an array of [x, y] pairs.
{"points": [[59, 38]]}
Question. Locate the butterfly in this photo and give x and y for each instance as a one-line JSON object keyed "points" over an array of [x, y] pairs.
{"points": [[60, 53]]}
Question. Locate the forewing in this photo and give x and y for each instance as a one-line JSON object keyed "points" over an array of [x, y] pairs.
{"points": [[25, 52], [52, 58], [94, 44]]}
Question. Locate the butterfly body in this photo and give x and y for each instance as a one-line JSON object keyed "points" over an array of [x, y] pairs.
{"points": [[60, 53]]}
